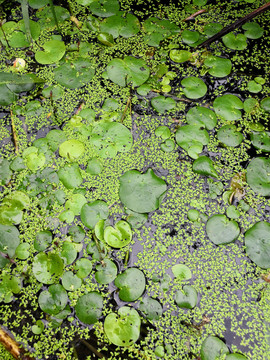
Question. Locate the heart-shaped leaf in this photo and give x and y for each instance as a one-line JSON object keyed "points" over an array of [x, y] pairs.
{"points": [[53, 300], [106, 272], [118, 236], [228, 107], [54, 50], [91, 213], [221, 230], [131, 284], [218, 66], [192, 139], [47, 268], [213, 348], [193, 87], [229, 135], [235, 42], [9, 241], [151, 308], [187, 297], [89, 307], [74, 74], [258, 175], [202, 116], [162, 104]]}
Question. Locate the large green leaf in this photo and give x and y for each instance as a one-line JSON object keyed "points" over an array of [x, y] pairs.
{"points": [[47, 268], [131, 284], [258, 175], [74, 74], [221, 230], [213, 348], [9, 241], [89, 307], [141, 192]]}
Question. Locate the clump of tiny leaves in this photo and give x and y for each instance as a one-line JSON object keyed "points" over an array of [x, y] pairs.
{"points": [[134, 178]]}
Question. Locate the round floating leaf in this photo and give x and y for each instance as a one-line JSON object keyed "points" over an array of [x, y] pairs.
{"points": [[53, 300], [265, 104], [257, 242], [123, 329], [151, 308], [229, 135], [38, 327], [131, 283], [212, 28], [110, 138], [232, 212], [202, 116], [187, 298], [89, 307], [70, 176], [91, 213], [55, 138], [75, 203], [71, 149], [104, 8], [54, 50], [235, 42], [22, 251], [261, 140], [158, 30], [258, 175], [181, 272], [254, 87], [119, 25], [162, 104], [190, 37], [193, 215], [218, 66], [168, 145], [135, 219], [106, 272], [119, 236], [192, 139], [221, 230], [74, 74], [43, 240], [180, 56], [141, 192], [193, 87], [129, 70], [9, 241], [94, 166], [228, 107], [47, 19], [70, 281], [83, 267], [213, 348], [163, 131], [253, 30], [69, 252], [105, 39], [47, 268]]}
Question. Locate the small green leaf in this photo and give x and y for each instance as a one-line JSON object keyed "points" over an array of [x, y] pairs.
{"points": [[202, 116], [119, 236], [235, 42], [53, 300], [213, 348], [229, 135], [89, 307], [193, 87], [47, 268], [162, 104], [91, 213], [181, 272], [71, 149], [180, 56], [131, 283], [106, 272], [151, 308], [187, 297], [221, 230], [228, 107], [54, 50]]}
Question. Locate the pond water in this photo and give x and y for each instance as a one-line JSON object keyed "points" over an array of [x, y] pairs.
{"points": [[135, 186]]}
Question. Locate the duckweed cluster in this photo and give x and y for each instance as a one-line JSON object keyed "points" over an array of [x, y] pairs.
{"points": [[61, 165]]}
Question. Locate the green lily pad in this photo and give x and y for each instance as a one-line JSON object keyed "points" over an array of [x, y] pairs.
{"points": [[68, 252], [265, 104], [70, 176], [5, 172], [110, 138], [47, 267], [180, 56], [236, 356], [228, 107], [218, 66], [141, 192], [162, 104], [53, 300], [253, 30], [75, 203], [55, 138], [202, 116], [254, 87], [221, 230], [38, 328], [151, 308], [261, 140], [232, 212], [6, 96], [235, 42], [212, 28], [83, 267], [104, 8], [118, 236], [213, 348], [76, 232], [181, 272], [258, 175], [187, 297], [9, 241], [193, 87], [189, 37], [15, 33], [70, 281], [128, 71], [91, 213], [8, 286], [229, 135], [158, 30], [105, 39], [74, 74], [71, 149], [257, 242], [94, 166], [136, 220], [168, 145], [131, 283], [89, 307], [123, 329], [54, 50], [193, 215], [22, 252], [106, 272], [47, 20], [163, 131], [43, 240], [192, 139], [118, 25]]}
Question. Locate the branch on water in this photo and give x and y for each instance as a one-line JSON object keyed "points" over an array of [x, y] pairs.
{"points": [[13, 347], [235, 25]]}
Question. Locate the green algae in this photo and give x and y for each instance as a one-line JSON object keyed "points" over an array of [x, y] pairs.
{"points": [[228, 283]]}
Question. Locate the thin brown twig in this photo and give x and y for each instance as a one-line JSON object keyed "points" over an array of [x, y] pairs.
{"points": [[195, 14], [15, 139], [93, 349], [235, 25], [125, 110]]}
